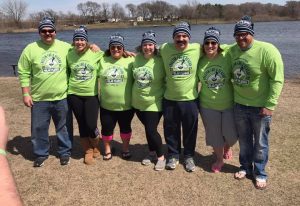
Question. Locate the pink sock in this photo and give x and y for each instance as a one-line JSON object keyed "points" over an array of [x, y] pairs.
{"points": [[107, 138], [125, 136]]}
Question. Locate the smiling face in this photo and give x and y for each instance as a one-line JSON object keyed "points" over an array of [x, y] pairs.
{"points": [[148, 49], [211, 48], [80, 44], [47, 35], [243, 39], [116, 51], [181, 41]]}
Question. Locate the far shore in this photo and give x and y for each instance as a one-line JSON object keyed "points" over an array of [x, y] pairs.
{"points": [[112, 25]]}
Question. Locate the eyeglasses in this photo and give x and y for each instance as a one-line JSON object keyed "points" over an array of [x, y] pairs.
{"points": [[241, 35], [116, 47], [45, 31], [213, 43]]}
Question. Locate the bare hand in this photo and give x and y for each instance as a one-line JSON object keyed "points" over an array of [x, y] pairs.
{"points": [[94, 48], [3, 130], [129, 54], [28, 101], [265, 112]]}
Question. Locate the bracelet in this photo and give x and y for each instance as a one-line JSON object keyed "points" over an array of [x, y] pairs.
{"points": [[2, 152], [26, 94]]}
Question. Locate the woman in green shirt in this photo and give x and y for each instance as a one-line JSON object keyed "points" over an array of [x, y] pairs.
{"points": [[83, 66], [216, 98], [147, 94], [115, 95]]}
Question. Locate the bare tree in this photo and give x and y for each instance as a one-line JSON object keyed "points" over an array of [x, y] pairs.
{"points": [[105, 11], [83, 10], [132, 10], [15, 10], [293, 8], [143, 10], [117, 11]]}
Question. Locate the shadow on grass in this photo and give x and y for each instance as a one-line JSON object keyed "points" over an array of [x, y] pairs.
{"points": [[205, 163], [22, 146]]}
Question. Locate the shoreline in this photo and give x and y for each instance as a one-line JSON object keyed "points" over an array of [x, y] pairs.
{"points": [[114, 25]]}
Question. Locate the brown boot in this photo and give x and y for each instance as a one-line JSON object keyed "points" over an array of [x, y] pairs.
{"points": [[96, 148], [88, 150]]}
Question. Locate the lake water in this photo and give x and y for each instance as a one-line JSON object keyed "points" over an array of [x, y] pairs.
{"points": [[284, 35]]}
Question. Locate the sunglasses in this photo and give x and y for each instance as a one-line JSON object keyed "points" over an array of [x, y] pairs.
{"points": [[213, 43], [116, 47], [45, 31], [241, 35]]}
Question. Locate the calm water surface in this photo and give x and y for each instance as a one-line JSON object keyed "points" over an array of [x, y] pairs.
{"points": [[284, 35]]}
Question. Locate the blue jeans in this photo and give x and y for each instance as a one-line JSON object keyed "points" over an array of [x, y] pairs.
{"points": [[177, 114], [41, 114], [253, 132]]}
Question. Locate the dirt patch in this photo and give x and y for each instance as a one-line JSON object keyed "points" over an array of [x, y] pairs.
{"points": [[119, 182]]}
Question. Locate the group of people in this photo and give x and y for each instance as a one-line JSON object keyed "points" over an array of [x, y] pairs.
{"points": [[240, 86]]}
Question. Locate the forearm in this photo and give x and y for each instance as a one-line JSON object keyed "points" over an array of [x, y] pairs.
{"points": [[8, 191]]}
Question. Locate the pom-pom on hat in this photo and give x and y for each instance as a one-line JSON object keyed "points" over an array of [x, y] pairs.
{"points": [[47, 22], [149, 37], [81, 32], [116, 39], [212, 34], [182, 27], [244, 25]]}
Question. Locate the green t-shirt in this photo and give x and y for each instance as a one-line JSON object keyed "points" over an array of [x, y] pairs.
{"points": [[83, 69], [43, 68], [258, 75], [148, 87], [115, 83], [216, 87], [181, 70]]}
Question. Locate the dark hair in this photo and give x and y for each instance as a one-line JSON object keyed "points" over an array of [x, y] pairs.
{"points": [[220, 50], [140, 50]]}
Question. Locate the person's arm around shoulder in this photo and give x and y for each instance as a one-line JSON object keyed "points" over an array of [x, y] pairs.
{"points": [[8, 191]]}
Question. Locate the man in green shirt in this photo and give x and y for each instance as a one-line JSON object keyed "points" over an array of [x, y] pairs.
{"points": [[43, 78], [180, 106], [258, 76]]}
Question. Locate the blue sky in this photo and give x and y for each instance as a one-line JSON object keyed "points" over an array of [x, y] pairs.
{"points": [[70, 5]]}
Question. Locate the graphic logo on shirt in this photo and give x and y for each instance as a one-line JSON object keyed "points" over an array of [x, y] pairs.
{"points": [[83, 71], [114, 75], [51, 62], [180, 66], [241, 73], [214, 77], [143, 77]]}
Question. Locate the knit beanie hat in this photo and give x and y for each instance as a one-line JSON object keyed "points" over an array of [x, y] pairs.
{"points": [[81, 32], [149, 37], [47, 22], [116, 39], [244, 25], [212, 34], [182, 27]]}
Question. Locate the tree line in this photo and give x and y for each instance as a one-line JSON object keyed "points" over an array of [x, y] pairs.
{"points": [[13, 12]]}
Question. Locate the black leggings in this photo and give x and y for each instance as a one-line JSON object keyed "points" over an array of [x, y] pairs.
{"points": [[86, 111], [150, 120], [110, 118]]}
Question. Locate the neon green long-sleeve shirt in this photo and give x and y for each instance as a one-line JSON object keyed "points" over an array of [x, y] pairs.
{"points": [[115, 83], [83, 68], [258, 75], [149, 83], [42, 67], [181, 71]]}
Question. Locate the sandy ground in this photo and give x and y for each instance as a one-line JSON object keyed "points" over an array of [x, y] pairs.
{"points": [[120, 182]]}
